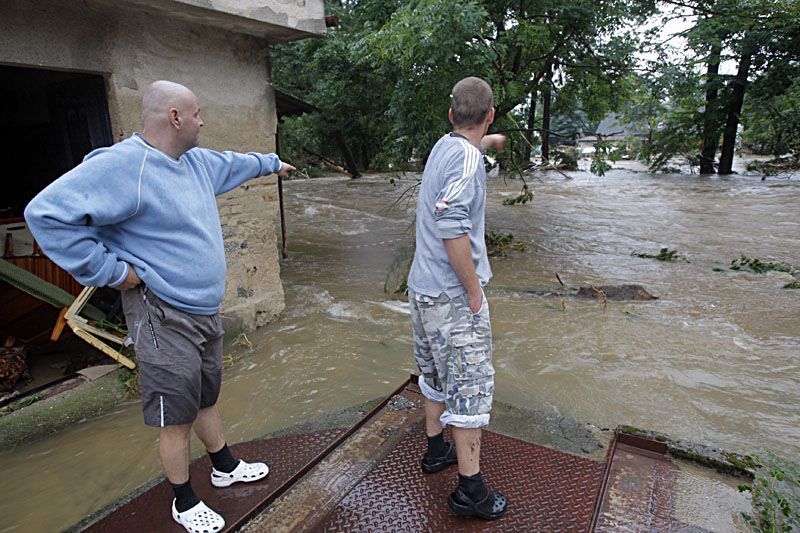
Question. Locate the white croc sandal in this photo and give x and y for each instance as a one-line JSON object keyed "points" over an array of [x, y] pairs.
{"points": [[198, 519], [246, 472]]}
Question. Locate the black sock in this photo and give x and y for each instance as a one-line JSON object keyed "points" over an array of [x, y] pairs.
{"points": [[223, 460], [436, 446], [473, 486], [185, 498]]}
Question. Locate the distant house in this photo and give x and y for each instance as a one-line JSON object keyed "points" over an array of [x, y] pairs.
{"points": [[614, 130], [71, 80]]}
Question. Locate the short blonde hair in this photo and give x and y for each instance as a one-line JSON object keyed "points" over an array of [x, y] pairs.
{"points": [[472, 100]]}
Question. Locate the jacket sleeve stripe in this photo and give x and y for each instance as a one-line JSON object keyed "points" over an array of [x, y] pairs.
{"points": [[471, 159]]}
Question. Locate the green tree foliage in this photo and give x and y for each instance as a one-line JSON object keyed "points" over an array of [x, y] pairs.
{"points": [[773, 121], [330, 74], [691, 104], [383, 77], [772, 110], [668, 105], [425, 47]]}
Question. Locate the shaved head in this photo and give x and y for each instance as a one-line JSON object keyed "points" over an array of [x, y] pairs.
{"points": [[162, 95], [170, 117]]}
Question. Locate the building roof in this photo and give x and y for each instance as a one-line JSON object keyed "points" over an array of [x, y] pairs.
{"points": [[287, 105], [612, 128], [274, 21]]}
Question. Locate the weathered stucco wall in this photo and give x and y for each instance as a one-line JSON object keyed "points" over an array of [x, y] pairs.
{"points": [[300, 14], [229, 72]]}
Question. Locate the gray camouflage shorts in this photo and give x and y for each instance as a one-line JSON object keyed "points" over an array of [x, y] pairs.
{"points": [[453, 349]]}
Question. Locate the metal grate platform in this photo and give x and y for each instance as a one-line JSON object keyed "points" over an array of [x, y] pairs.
{"points": [[368, 478], [150, 511], [547, 490]]}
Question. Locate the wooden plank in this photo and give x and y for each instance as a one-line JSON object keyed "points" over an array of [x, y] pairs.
{"points": [[58, 328], [103, 347], [103, 334]]}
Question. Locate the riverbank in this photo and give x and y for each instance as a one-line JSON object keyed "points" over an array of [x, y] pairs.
{"points": [[91, 393]]}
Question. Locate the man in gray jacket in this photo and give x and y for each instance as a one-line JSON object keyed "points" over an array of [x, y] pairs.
{"points": [[449, 312]]}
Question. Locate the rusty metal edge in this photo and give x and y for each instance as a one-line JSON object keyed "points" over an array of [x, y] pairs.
{"points": [[643, 443], [601, 491], [286, 485], [648, 447]]}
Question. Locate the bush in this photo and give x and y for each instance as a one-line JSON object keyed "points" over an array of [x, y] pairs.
{"points": [[566, 157], [776, 495]]}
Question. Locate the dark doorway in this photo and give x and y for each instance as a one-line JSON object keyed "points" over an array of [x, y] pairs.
{"points": [[49, 120]]}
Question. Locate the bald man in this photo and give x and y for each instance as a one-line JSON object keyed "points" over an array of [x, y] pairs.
{"points": [[141, 217]]}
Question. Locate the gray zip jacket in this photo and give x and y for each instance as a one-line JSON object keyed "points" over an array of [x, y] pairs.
{"points": [[451, 203]]}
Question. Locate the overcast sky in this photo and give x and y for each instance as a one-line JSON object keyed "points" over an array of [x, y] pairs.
{"points": [[672, 26]]}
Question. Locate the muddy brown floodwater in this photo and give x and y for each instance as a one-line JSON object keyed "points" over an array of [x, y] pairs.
{"points": [[713, 360]]}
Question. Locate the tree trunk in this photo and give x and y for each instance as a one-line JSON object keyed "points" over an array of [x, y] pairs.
{"points": [[733, 110], [526, 149], [711, 121], [349, 160], [547, 95]]}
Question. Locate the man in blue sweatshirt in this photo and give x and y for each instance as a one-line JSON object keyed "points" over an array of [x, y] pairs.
{"points": [[141, 217]]}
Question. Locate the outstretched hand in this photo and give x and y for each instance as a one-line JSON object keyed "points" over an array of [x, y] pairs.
{"points": [[285, 169], [495, 140]]}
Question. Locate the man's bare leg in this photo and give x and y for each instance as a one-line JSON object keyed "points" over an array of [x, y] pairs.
{"points": [[433, 412], [173, 448], [472, 497], [468, 449], [208, 426]]}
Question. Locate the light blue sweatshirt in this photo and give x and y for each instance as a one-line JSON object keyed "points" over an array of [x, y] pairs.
{"points": [[133, 204]]}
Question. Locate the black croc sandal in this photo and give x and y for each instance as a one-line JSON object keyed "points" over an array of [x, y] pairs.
{"points": [[491, 507], [432, 465]]}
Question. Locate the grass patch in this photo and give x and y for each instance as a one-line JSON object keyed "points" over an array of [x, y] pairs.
{"points": [[130, 378], [757, 265], [779, 165], [499, 244], [776, 495], [112, 326], [792, 285], [523, 198], [25, 402], [130, 382]]}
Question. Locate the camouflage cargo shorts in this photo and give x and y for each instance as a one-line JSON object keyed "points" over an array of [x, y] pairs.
{"points": [[453, 349]]}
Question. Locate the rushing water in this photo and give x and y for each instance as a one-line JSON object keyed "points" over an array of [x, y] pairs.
{"points": [[714, 360]]}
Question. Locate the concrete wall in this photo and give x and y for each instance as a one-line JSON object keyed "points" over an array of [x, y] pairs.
{"points": [[229, 72], [303, 15]]}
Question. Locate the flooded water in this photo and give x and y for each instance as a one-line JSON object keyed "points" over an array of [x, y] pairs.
{"points": [[714, 360]]}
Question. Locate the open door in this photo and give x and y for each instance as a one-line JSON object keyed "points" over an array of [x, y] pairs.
{"points": [[50, 121]]}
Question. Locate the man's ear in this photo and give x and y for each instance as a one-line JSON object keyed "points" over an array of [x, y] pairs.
{"points": [[450, 115], [490, 116], [175, 118]]}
